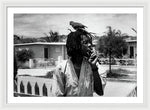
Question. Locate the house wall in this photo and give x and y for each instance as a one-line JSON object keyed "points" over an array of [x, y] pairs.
{"points": [[134, 45], [60, 50], [55, 51]]}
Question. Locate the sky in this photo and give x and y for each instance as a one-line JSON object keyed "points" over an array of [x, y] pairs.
{"points": [[35, 25]]}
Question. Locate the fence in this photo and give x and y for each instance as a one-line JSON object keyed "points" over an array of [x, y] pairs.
{"points": [[45, 63], [28, 86], [34, 86], [41, 62], [114, 61]]}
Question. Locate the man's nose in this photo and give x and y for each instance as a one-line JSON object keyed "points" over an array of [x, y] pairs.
{"points": [[90, 46]]}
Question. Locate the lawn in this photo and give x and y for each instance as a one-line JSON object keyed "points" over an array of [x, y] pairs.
{"points": [[122, 74]]}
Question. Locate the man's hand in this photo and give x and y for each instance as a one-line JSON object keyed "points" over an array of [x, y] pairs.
{"points": [[94, 57], [97, 80]]}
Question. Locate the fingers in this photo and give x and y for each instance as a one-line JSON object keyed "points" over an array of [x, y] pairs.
{"points": [[93, 54], [95, 60], [93, 57]]}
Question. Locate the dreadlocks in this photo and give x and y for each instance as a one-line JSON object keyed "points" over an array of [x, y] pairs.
{"points": [[73, 43]]}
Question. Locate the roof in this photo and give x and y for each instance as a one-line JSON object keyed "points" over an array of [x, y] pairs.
{"points": [[41, 43], [44, 43], [130, 40], [59, 43]]}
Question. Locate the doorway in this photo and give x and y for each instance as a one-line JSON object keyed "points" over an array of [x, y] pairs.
{"points": [[131, 52], [46, 53]]}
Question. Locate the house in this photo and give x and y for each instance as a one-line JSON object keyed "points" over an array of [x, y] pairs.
{"points": [[45, 50], [132, 47], [48, 50]]}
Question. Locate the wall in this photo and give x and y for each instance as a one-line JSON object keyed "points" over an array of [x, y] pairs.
{"points": [[134, 45], [55, 51]]}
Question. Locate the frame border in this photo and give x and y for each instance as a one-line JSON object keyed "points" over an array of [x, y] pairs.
{"points": [[4, 6]]}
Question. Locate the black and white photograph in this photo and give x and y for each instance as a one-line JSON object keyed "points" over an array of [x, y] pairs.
{"points": [[83, 52]]}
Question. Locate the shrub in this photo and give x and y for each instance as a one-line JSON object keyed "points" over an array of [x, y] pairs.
{"points": [[24, 55], [119, 73]]}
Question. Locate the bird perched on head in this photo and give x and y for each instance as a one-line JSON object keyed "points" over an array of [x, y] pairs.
{"points": [[77, 25]]}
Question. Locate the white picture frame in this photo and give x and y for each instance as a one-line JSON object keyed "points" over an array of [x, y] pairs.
{"points": [[4, 103]]}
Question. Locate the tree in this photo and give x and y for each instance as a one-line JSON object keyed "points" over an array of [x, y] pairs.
{"points": [[17, 39], [21, 39], [112, 44], [28, 40], [52, 37]]}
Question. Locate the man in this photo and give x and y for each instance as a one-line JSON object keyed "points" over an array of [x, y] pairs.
{"points": [[78, 76]]}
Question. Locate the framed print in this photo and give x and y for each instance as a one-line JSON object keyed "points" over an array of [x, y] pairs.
{"points": [[50, 52], [29, 24]]}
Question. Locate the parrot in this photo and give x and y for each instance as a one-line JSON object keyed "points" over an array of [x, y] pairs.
{"points": [[77, 25]]}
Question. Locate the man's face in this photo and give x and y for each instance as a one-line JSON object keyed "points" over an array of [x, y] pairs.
{"points": [[86, 43]]}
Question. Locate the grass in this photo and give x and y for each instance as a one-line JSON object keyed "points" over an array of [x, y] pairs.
{"points": [[122, 74], [115, 73]]}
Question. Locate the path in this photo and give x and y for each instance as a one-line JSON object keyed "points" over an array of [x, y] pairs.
{"points": [[118, 88]]}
